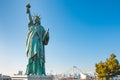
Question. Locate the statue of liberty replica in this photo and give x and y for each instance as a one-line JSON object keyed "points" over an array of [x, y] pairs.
{"points": [[37, 38]]}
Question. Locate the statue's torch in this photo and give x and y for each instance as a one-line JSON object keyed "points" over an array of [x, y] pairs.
{"points": [[28, 7]]}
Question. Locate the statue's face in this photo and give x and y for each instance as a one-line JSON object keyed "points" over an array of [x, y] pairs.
{"points": [[37, 20]]}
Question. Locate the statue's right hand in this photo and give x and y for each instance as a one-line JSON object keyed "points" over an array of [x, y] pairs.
{"points": [[28, 11]]}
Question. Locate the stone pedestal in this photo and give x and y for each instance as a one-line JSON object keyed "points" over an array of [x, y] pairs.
{"points": [[19, 77], [40, 78], [25, 77]]}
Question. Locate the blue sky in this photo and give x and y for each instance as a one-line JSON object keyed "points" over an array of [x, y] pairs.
{"points": [[82, 33]]}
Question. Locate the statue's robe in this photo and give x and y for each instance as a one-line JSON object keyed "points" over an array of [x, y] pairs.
{"points": [[36, 39]]}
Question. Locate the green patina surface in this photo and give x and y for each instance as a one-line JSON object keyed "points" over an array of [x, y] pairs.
{"points": [[36, 39]]}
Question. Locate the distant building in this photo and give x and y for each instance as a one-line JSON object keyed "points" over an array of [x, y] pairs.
{"points": [[20, 73], [5, 77], [75, 74], [117, 77]]}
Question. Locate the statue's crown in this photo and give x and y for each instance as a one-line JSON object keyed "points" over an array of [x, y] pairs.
{"points": [[36, 16]]}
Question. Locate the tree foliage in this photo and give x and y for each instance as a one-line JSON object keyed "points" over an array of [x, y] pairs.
{"points": [[109, 68]]}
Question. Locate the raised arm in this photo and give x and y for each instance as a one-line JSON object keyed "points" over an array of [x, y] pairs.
{"points": [[29, 14]]}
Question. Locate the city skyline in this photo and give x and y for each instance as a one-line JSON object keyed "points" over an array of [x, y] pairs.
{"points": [[82, 33]]}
